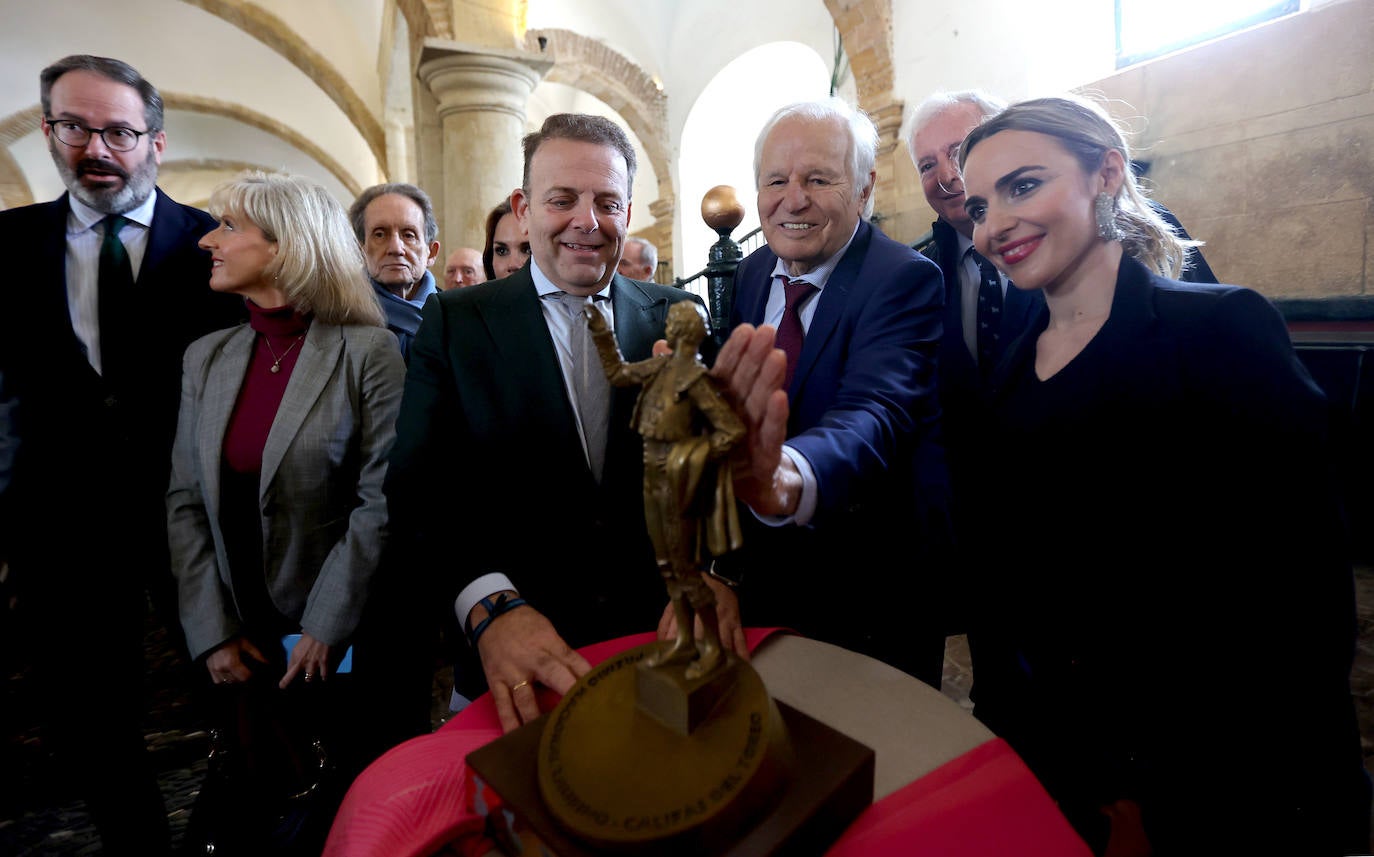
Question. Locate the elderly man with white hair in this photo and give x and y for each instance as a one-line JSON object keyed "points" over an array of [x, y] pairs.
{"points": [[856, 490]]}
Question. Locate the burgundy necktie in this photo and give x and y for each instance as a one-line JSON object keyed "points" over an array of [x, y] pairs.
{"points": [[790, 331]]}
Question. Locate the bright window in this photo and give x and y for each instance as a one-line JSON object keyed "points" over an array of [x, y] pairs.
{"points": [[1150, 28]]}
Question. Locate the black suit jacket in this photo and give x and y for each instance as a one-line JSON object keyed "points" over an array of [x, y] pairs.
{"points": [[488, 473], [93, 455]]}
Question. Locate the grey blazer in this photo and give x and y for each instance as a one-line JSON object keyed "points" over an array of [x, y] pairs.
{"points": [[324, 517]]}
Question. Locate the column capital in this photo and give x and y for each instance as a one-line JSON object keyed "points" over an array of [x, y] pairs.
{"points": [[887, 117], [466, 77], [663, 209]]}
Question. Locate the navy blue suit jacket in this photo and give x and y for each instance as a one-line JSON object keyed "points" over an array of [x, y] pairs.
{"points": [[863, 414]]}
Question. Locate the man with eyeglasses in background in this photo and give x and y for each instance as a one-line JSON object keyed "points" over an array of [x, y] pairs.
{"points": [[109, 289]]}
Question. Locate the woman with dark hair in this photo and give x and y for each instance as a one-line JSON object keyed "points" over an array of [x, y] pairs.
{"points": [[1163, 472], [276, 517], [507, 248]]}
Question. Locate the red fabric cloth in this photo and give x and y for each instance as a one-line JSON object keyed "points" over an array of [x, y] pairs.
{"points": [[419, 797], [984, 802]]}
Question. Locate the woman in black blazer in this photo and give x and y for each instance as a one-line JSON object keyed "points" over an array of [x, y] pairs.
{"points": [[1162, 470]]}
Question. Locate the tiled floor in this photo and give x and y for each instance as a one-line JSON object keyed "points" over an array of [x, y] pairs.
{"points": [[39, 815]]}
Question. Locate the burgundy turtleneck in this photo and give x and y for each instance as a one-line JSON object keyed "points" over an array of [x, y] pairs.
{"points": [[281, 334]]}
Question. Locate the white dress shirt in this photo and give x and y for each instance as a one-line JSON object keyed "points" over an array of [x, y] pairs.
{"points": [[772, 314]]}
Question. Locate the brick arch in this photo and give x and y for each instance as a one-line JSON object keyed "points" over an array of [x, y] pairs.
{"points": [[595, 68], [277, 35], [26, 120], [14, 187], [865, 28]]}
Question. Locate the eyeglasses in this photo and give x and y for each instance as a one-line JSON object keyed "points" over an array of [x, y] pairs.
{"points": [[77, 136]]}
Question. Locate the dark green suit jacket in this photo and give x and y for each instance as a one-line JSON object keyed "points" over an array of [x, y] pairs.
{"points": [[488, 473]]}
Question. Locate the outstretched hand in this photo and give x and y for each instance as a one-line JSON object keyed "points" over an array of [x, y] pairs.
{"points": [[752, 370]]}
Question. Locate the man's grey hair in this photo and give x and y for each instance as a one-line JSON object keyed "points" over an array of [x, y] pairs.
{"points": [[357, 212], [113, 69], [648, 252], [863, 137], [937, 103]]}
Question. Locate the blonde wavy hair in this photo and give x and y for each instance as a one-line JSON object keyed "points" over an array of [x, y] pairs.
{"points": [[318, 266], [1086, 131]]}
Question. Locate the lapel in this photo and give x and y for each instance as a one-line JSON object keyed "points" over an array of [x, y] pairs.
{"points": [[638, 318], [167, 233], [49, 289], [519, 338], [1018, 309], [320, 355], [524, 361], [216, 408], [831, 304]]}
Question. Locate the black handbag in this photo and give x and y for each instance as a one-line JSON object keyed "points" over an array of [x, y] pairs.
{"points": [[271, 787]]}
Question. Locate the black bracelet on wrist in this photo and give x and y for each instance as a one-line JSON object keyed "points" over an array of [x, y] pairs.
{"points": [[504, 603]]}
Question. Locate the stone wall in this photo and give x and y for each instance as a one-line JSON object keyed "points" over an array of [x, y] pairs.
{"points": [[1261, 142]]}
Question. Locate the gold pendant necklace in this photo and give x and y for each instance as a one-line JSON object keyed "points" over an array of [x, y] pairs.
{"points": [[276, 360]]}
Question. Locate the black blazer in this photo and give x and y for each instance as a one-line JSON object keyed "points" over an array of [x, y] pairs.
{"points": [[88, 446], [488, 473], [1168, 495]]}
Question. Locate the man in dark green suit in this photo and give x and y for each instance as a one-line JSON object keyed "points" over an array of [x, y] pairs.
{"points": [[494, 433]]}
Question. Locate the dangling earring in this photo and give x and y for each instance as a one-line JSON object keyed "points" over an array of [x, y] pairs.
{"points": [[1104, 209]]}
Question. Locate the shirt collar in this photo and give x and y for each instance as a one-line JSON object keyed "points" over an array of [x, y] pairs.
{"points": [[965, 244], [544, 286], [88, 217], [819, 275]]}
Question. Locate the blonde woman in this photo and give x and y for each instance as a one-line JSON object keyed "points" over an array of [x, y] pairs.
{"points": [[276, 517]]}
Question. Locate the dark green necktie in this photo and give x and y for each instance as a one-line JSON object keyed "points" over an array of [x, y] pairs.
{"points": [[116, 298]]}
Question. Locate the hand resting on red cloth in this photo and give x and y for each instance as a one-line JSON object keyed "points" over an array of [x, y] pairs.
{"points": [[418, 799]]}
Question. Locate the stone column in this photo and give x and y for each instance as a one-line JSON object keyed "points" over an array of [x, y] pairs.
{"points": [[661, 235], [481, 94]]}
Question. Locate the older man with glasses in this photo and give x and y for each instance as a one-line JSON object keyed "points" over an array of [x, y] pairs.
{"points": [[109, 289]]}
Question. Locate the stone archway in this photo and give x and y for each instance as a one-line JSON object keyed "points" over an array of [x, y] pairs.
{"points": [[14, 188], [595, 68], [866, 29], [277, 35]]}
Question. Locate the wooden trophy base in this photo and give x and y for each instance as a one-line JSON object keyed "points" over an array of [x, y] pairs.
{"points": [[601, 774]]}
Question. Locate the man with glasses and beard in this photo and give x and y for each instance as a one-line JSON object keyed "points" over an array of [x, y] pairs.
{"points": [[109, 290]]}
